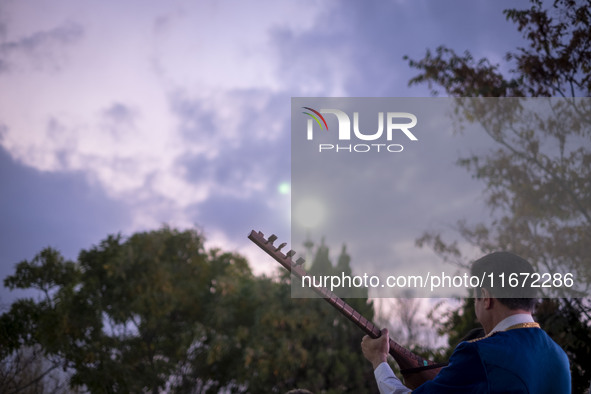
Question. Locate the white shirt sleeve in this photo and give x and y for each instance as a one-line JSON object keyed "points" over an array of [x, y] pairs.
{"points": [[388, 383]]}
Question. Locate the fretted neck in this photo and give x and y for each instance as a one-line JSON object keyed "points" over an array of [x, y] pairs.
{"points": [[404, 357]]}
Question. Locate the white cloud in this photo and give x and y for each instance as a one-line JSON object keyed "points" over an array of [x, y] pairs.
{"points": [[108, 111], [167, 105]]}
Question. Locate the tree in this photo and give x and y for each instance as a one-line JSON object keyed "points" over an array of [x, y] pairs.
{"points": [[123, 316], [538, 178], [27, 371], [156, 311], [339, 338]]}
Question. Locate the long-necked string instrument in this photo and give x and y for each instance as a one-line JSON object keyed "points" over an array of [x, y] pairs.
{"points": [[415, 369]]}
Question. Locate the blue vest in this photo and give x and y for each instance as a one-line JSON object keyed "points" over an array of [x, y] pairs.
{"points": [[519, 360]]}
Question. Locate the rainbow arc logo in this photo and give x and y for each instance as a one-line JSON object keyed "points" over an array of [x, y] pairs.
{"points": [[316, 117]]}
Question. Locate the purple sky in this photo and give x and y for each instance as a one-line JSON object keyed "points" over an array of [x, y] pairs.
{"points": [[121, 117]]}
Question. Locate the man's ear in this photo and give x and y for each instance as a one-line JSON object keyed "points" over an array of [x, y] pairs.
{"points": [[487, 298]]}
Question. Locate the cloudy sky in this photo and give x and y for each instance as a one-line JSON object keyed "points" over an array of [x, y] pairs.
{"points": [[117, 116]]}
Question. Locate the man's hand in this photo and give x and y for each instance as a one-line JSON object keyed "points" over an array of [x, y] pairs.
{"points": [[376, 350]]}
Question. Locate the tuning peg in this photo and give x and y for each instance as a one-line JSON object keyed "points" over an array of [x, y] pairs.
{"points": [[290, 253], [280, 246], [271, 239], [300, 261]]}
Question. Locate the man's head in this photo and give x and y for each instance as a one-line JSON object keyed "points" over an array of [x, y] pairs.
{"points": [[506, 288]]}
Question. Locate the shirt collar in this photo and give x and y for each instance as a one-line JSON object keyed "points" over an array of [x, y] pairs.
{"points": [[512, 320]]}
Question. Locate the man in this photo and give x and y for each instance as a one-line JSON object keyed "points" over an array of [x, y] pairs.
{"points": [[515, 356]]}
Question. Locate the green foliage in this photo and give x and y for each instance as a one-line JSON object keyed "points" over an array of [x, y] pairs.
{"points": [[156, 311], [457, 324], [557, 61], [124, 314], [537, 180], [562, 320]]}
